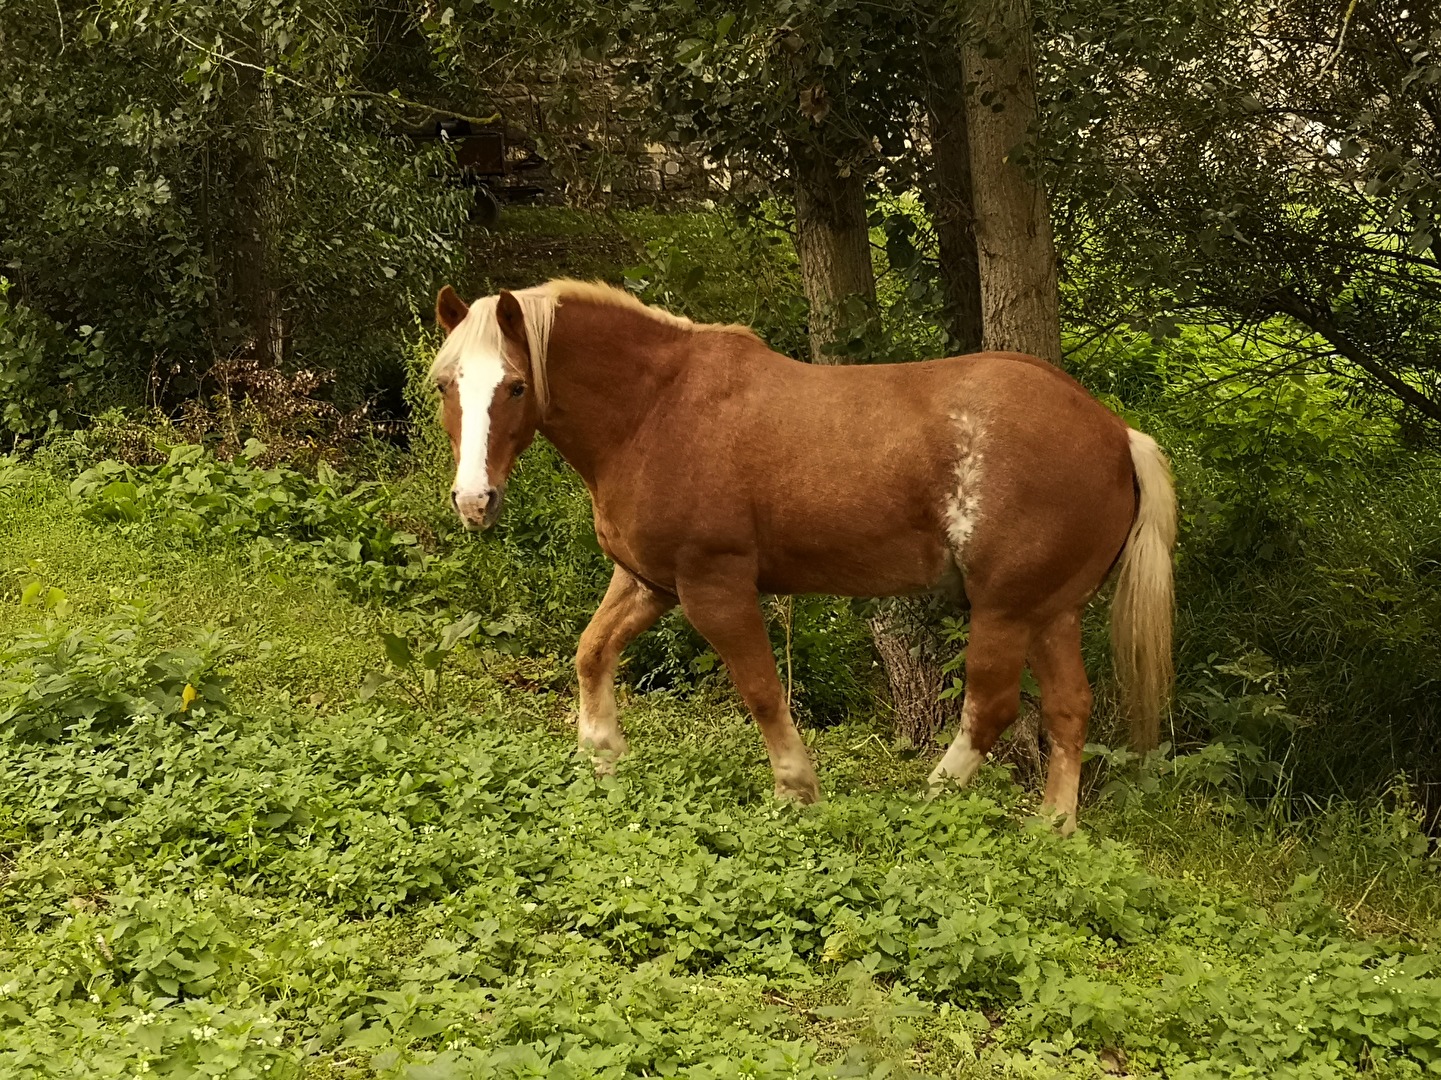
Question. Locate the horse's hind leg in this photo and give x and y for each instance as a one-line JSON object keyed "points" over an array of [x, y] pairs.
{"points": [[994, 658], [629, 609], [1065, 711], [728, 615]]}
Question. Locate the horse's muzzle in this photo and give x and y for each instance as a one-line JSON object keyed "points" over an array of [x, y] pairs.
{"points": [[478, 509]]}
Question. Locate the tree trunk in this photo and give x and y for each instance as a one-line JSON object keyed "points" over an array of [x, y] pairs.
{"points": [[254, 184], [946, 190], [833, 245], [1019, 297], [912, 653]]}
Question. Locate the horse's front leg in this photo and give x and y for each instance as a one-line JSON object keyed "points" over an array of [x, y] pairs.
{"points": [[726, 611], [629, 609]]}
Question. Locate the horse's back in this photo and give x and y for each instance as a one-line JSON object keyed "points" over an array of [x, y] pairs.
{"points": [[873, 479]]}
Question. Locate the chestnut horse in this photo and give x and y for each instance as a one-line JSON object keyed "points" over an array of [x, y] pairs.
{"points": [[720, 470]]}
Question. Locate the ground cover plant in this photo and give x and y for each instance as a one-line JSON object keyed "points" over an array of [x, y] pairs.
{"points": [[218, 864]]}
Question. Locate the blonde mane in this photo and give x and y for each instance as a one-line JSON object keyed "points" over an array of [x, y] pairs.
{"points": [[538, 305]]}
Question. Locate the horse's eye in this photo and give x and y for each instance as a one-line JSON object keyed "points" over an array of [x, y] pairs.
{"points": [[517, 389]]}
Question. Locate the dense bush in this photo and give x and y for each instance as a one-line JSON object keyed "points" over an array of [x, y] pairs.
{"points": [[155, 187], [48, 377], [1307, 569], [335, 527]]}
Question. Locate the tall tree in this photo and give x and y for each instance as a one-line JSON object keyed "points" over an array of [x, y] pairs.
{"points": [[191, 178], [833, 243], [1020, 301], [945, 183]]}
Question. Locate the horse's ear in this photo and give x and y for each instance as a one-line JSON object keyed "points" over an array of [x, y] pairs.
{"points": [[450, 309], [512, 322]]}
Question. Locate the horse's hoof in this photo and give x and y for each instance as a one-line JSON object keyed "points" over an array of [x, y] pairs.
{"points": [[800, 792], [605, 758], [1063, 823]]}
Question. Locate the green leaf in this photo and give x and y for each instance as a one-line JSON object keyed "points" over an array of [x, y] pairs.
{"points": [[458, 631], [371, 684], [397, 650]]}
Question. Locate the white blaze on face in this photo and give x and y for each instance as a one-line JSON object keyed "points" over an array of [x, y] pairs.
{"points": [[478, 373]]}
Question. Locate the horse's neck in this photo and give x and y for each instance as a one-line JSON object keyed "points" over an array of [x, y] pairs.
{"points": [[606, 366]]}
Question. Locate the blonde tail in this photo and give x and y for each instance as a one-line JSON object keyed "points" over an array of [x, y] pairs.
{"points": [[1142, 611]]}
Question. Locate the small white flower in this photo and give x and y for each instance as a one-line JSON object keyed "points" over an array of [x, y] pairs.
{"points": [[95, 999], [146, 1018], [203, 1034], [1312, 977], [634, 826], [628, 883], [316, 942], [529, 907]]}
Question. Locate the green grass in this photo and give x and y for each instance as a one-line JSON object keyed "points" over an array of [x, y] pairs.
{"points": [[324, 643], [295, 881]]}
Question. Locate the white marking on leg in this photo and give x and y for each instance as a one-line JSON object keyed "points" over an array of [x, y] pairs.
{"points": [[963, 504], [1063, 782], [600, 720], [961, 759], [795, 776]]}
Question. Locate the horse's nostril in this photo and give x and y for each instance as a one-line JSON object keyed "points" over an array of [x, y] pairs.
{"points": [[491, 498]]}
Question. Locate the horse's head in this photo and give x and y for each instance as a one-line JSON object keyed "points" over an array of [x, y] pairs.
{"points": [[490, 406]]}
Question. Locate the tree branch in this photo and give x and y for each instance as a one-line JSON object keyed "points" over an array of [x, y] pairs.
{"points": [[1288, 303], [368, 95]]}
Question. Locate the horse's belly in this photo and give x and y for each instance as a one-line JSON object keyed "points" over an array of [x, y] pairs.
{"points": [[850, 555], [852, 560]]}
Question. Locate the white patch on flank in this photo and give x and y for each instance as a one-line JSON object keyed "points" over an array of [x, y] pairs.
{"points": [[961, 760], [477, 373], [963, 503]]}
